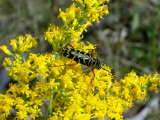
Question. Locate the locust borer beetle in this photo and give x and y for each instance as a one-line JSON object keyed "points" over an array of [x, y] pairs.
{"points": [[87, 59]]}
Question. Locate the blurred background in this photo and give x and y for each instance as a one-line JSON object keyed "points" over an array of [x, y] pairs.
{"points": [[128, 38]]}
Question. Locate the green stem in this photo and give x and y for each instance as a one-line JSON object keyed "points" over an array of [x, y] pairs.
{"points": [[41, 114], [52, 96], [50, 104], [81, 19]]}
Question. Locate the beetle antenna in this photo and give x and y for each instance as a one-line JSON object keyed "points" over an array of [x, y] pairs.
{"points": [[109, 72]]}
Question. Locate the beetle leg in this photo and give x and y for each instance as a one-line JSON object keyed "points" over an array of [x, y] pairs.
{"points": [[86, 70], [70, 45], [65, 46], [66, 65], [93, 53], [93, 73]]}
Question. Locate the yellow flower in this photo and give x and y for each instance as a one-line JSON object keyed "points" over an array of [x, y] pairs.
{"points": [[137, 93], [23, 43], [13, 43], [13, 89], [5, 50], [6, 104], [22, 114], [116, 88], [153, 87], [55, 36], [7, 62], [54, 118], [33, 110], [70, 14]]}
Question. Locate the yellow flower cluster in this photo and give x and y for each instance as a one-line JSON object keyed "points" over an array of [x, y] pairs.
{"points": [[70, 92], [23, 43], [75, 20], [6, 104]]}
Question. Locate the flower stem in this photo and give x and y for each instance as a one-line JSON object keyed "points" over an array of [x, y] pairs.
{"points": [[53, 94], [41, 114]]}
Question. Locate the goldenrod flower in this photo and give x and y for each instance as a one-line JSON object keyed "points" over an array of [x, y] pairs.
{"points": [[6, 104], [23, 43], [5, 50], [7, 62], [71, 93]]}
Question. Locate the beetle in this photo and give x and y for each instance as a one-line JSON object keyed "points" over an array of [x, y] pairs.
{"points": [[87, 59]]}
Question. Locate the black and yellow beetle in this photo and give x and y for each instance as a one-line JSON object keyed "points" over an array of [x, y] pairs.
{"points": [[87, 59]]}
